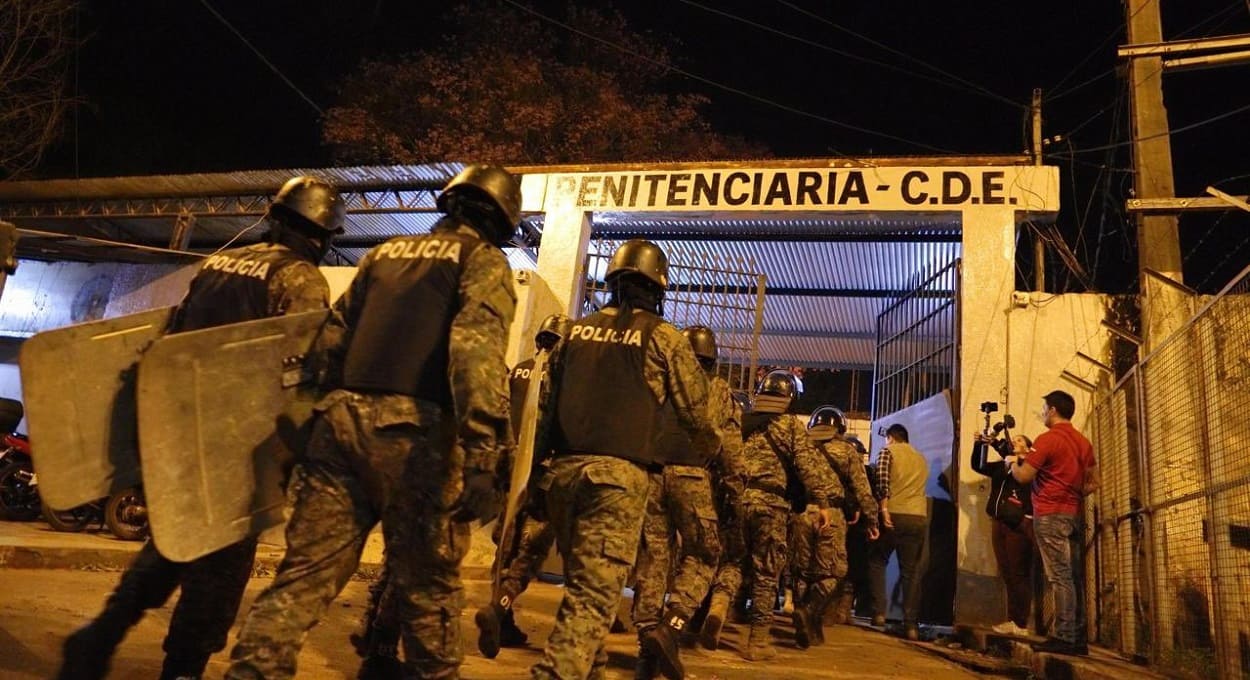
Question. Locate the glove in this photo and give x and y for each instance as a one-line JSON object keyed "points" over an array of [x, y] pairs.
{"points": [[480, 499]]}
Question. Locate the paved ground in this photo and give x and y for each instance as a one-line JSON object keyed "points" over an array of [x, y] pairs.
{"points": [[38, 608]]}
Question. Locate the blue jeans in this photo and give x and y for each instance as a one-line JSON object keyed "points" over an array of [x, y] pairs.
{"points": [[1059, 540]]}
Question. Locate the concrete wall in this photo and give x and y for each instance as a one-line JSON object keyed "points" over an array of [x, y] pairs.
{"points": [[1039, 340]]}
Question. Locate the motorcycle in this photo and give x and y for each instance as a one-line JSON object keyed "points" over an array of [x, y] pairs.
{"points": [[124, 513], [19, 501]]}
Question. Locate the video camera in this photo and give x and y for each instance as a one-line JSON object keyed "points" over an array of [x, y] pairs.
{"points": [[1002, 444]]}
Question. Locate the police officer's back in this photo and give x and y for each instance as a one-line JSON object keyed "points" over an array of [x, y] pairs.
{"points": [[617, 369], [273, 278]]}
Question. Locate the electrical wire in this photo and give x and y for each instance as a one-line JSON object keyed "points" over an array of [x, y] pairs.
{"points": [[876, 43], [849, 55], [728, 88], [236, 237], [1174, 131], [1057, 92], [262, 57]]}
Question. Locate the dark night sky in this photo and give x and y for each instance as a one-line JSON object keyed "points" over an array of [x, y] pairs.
{"points": [[170, 89]]}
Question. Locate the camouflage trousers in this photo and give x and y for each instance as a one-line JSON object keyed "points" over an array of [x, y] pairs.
{"points": [[679, 505], [733, 555], [212, 588], [370, 458], [526, 561], [596, 505], [764, 529], [818, 559]]}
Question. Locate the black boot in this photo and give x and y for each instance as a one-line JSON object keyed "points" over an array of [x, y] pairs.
{"points": [[802, 636], [88, 651], [380, 667], [489, 620], [662, 642], [816, 627], [645, 667], [509, 634], [184, 667]]}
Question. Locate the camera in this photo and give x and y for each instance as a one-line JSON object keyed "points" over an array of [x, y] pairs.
{"points": [[989, 406]]}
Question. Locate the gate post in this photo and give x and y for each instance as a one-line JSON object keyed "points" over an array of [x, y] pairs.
{"points": [[566, 235], [988, 280]]}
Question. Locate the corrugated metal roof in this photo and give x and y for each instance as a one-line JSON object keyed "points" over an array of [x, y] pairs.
{"points": [[265, 182], [839, 270]]}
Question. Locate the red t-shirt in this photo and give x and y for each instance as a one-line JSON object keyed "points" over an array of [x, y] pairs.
{"points": [[1061, 456]]}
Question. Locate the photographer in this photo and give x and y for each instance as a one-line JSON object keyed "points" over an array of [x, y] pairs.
{"points": [[1011, 507]]}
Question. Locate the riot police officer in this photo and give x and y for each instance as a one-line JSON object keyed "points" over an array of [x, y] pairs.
{"points": [[276, 277], [820, 558], [627, 356], [496, 621], [680, 504], [408, 435], [783, 472]]}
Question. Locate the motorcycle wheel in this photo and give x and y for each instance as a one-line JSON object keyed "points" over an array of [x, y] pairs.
{"points": [[126, 515], [19, 501], [71, 521]]}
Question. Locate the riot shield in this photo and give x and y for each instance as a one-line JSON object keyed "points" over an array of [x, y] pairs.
{"points": [[222, 413], [78, 383], [522, 464]]}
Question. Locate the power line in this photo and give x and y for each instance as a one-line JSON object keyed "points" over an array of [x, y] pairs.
{"points": [[1175, 131], [722, 86], [1078, 86], [849, 55], [262, 57], [876, 43], [1056, 92]]}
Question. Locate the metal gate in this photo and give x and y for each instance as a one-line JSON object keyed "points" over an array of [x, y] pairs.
{"points": [[724, 293], [917, 344]]}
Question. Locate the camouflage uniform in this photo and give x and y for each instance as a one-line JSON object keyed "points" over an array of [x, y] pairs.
{"points": [[728, 476], [679, 504], [241, 284], [537, 537], [596, 504], [393, 457], [771, 468], [820, 558]]}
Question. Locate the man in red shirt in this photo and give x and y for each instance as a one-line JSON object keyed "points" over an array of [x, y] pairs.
{"points": [[1063, 471]]}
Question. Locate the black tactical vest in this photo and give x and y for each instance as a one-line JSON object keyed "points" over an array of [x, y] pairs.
{"points": [[400, 339], [518, 387], [233, 286], [673, 445], [604, 405]]}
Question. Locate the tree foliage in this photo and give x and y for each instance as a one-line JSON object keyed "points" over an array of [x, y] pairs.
{"points": [[505, 87], [36, 42]]}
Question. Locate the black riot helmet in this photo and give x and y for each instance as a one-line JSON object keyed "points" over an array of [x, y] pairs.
{"points": [[488, 198], [552, 330], [776, 392], [313, 202], [826, 423], [703, 342], [642, 257]]}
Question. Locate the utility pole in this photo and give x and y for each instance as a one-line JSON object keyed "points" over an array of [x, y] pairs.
{"points": [[1158, 244], [1039, 246]]}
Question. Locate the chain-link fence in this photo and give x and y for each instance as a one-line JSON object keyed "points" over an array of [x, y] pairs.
{"points": [[1169, 569], [723, 292]]}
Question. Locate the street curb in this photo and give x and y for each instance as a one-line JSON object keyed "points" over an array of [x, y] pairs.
{"points": [[1099, 665], [111, 559]]}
